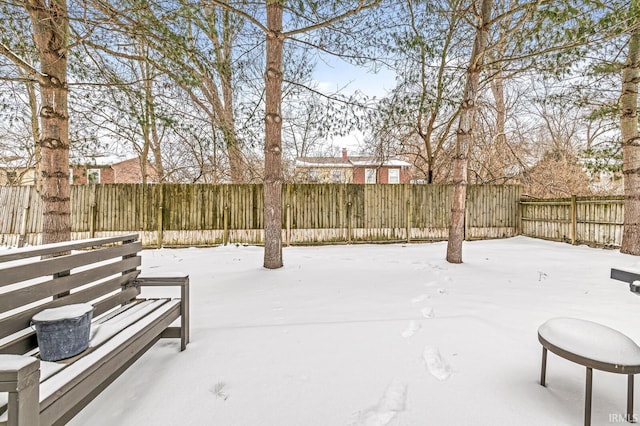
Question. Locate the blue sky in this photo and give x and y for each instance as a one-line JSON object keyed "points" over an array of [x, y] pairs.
{"points": [[333, 73]]}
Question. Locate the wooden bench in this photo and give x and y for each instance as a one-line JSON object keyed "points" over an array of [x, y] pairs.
{"points": [[100, 271], [595, 346]]}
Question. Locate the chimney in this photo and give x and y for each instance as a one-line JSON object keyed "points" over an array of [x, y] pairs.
{"points": [[344, 155]]}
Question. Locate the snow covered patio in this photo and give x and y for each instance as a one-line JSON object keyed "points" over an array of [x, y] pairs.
{"points": [[377, 335]]}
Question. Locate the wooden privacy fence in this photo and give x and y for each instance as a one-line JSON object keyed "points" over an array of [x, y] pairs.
{"points": [[200, 214], [578, 220]]}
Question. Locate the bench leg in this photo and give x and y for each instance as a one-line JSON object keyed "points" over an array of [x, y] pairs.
{"points": [[543, 372], [184, 315], [587, 398], [20, 378], [630, 418]]}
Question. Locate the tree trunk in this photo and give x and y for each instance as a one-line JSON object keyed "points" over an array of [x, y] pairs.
{"points": [[237, 167], [631, 141], [50, 28], [497, 88], [464, 135], [273, 138]]}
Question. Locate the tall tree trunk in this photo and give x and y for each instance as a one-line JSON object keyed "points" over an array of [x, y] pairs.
{"points": [[237, 166], [497, 89], [273, 138], [51, 28], [464, 135], [144, 155], [631, 140]]}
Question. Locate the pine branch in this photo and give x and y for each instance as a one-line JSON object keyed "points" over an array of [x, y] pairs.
{"points": [[361, 6], [241, 13]]}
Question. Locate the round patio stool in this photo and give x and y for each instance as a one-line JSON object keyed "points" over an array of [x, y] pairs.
{"points": [[594, 346]]}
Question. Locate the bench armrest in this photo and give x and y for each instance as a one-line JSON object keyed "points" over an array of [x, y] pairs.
{"points": [[172, 279], [627, 276], [167, 279], [20, 377], [631, 277]]}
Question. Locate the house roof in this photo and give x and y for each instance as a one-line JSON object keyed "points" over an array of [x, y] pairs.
{"points": [[372, 161], [352, 161], [332, 162]]}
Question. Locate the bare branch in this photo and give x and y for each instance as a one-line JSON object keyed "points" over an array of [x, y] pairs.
{"points": [[24, 65]]}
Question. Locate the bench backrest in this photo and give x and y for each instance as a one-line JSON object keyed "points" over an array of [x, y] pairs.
{"points": [[100, 271]]}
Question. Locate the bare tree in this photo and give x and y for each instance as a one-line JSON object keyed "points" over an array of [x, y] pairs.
{"points": [[419, 115]]}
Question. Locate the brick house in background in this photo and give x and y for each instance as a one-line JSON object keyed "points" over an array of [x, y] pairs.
{"points": [[16, 176], [351, 169], [127, 171]]}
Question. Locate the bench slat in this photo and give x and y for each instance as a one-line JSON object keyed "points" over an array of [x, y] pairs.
{"points": [[24, 272], [120, 298], [22, 320], [33, 293], [20, 345], [114, 313], [123, 318], [55, 248]]}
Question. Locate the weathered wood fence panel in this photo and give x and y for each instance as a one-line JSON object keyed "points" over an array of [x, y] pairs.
{"points": [[578, 220], [491, 213], [178, 215], [20, 216]]}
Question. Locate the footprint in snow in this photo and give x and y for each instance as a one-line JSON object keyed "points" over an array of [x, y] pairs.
{"points": [[392, 402], [437, 366], [428, 312], [420, 298], [219, 390], [435, 265], [411, 329]]}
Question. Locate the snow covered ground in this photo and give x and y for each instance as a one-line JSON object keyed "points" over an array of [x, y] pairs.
{"points": [[377, 335]]}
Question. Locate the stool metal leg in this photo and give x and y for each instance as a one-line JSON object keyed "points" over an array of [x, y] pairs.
{"points": [[630, 418], [543, 372], [587, 398]]}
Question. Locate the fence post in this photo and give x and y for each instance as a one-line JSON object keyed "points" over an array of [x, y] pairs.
{"points": [[574, 216], [93, 213], [288, 234], [466, 236], [349, 222], [408, 221], [519, 219], [225, 219], [92, 220], [25, 220], [160, 215]]}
